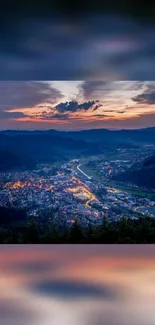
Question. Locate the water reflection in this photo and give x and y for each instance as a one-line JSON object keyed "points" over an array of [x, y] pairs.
{"points": [[94, 285]]}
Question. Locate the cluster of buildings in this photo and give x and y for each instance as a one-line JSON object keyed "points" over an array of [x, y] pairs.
{"points": [[71, 195], [129, 205], [126, 158], [38, 191]]}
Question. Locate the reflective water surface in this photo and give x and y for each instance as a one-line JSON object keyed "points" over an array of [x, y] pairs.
{"points": [[77, 285]]}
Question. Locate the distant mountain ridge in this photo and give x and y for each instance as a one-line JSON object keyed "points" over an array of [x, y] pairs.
{"points": [[145, 135], [40, 146], [52, 145]]}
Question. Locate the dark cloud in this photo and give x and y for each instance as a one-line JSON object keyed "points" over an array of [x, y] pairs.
{"points": [[26, 94], [74, 106], [74, 290], [90, 47], [147, 97], [101, 88], [97, 106], [88, 87]]}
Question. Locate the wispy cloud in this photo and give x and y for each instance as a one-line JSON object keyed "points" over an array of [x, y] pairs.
{"points": [[147, 96], [16, 97], [95, 103]]}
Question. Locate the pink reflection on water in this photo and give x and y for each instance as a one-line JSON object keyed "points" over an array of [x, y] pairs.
{"points": [[77, 284]]}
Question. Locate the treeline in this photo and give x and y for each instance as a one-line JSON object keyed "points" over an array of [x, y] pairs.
{"points": [[140, 231]]}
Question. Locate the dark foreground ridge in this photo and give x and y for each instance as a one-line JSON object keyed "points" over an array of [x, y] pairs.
{"points": [[32, 231]]}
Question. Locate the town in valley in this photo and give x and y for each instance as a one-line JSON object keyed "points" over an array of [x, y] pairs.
{"points": [[81, 189]]}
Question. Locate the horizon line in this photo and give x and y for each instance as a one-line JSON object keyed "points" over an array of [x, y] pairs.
{"points": [[75, 130]]}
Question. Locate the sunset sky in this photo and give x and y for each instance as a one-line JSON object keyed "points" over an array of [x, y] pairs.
{"points": [[102, 48], [75, 105]]}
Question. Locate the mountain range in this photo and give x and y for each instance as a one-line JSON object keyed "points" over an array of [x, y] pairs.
{"points": [[24, 148]]}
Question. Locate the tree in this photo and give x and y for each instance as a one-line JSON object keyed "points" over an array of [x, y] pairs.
{"points": [[76, 234], [31, 233]]}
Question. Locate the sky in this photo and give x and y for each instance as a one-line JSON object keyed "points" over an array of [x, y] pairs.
{"points": [[92, 45], [104, 56], [78, 284], [76, 105]]}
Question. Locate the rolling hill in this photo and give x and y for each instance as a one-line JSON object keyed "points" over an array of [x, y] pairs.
{"points": [[11, 161], [51, 145], [44, 147], [143, 176]]}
